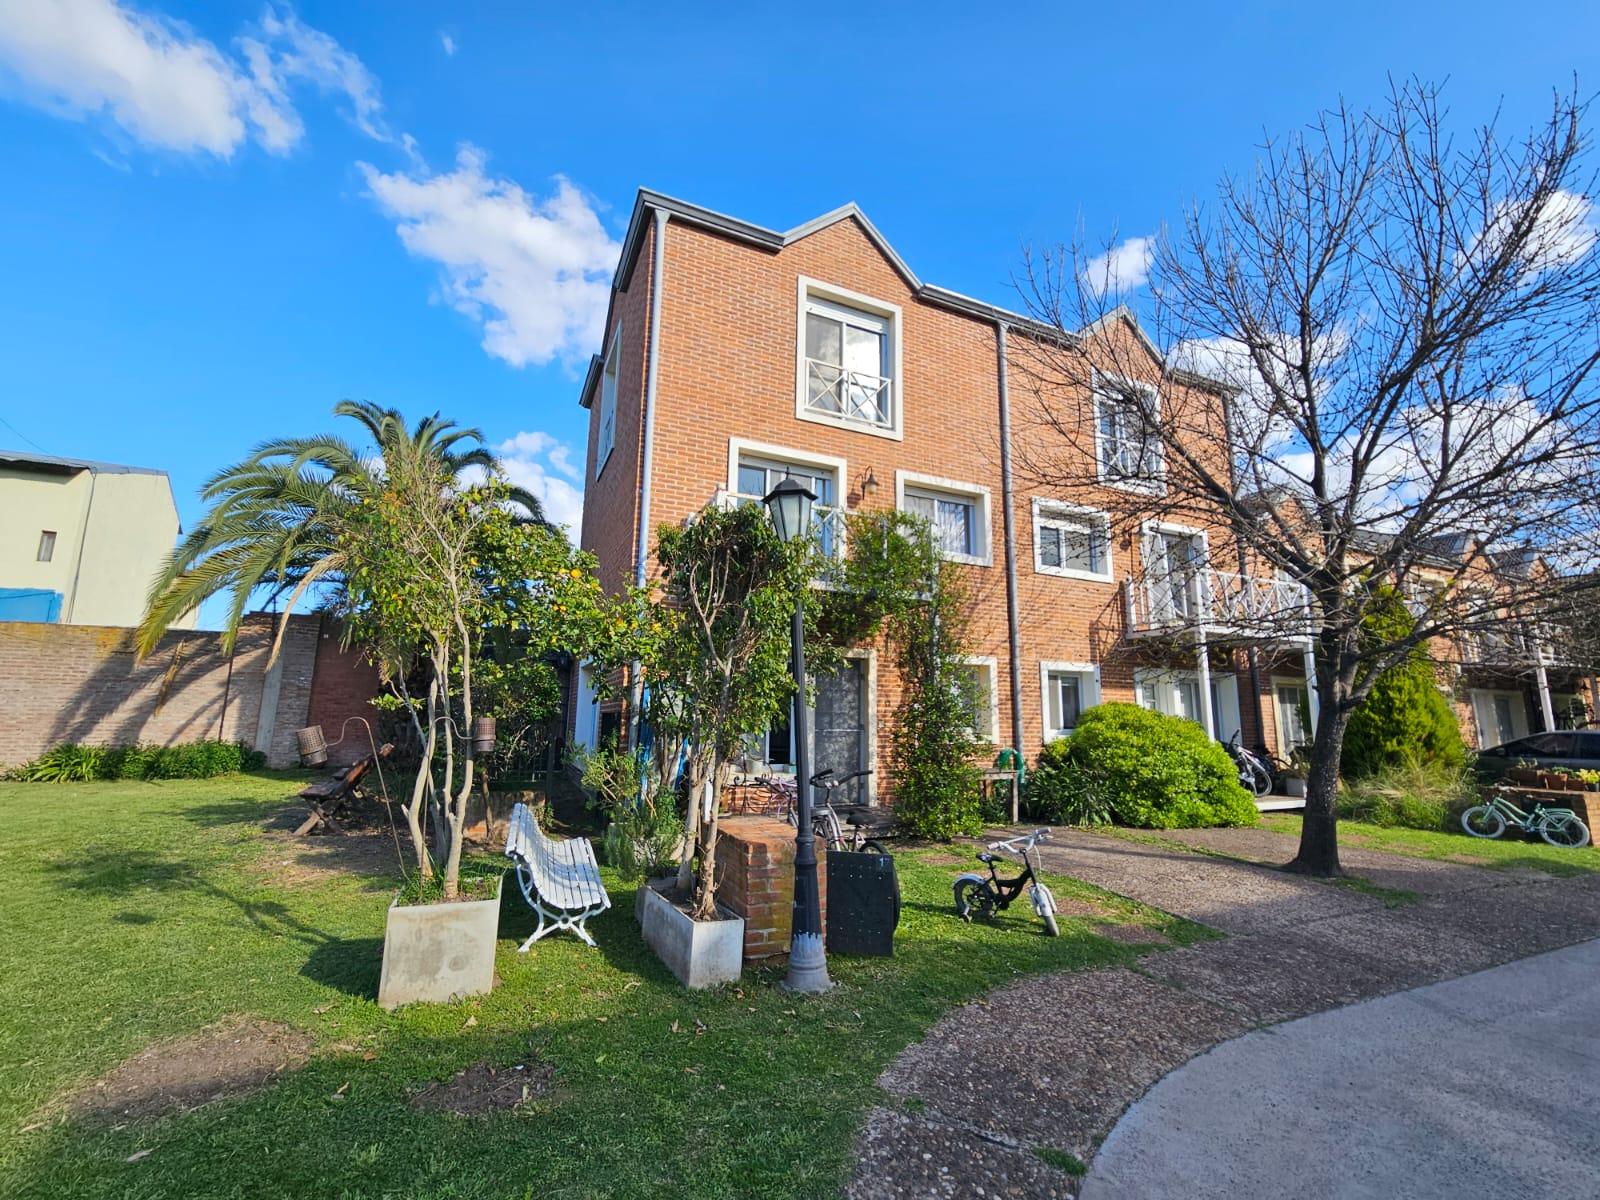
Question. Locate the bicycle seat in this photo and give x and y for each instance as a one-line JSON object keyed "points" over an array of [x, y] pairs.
{"points": [[985, 857]]}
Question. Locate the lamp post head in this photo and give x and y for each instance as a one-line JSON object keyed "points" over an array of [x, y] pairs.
{"points": [[789, 506]]}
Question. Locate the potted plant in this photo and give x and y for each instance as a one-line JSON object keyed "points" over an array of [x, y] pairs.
{"points": [[713, 653], [1293, 779], [432, 568]]}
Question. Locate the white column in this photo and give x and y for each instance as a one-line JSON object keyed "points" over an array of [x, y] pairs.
{"points": [[1309, 657], [1208, 719], [1546, 706]]}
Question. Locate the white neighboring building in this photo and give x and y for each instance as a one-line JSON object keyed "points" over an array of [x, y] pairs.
{"points": [[80, 542]]}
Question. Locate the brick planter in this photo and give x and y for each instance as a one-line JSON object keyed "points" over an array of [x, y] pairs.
{"points": [[755, 879]]}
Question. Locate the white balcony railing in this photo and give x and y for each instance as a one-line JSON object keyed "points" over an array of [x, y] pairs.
{"points": [[836, 391], [1512, 644], [1220, 602]]}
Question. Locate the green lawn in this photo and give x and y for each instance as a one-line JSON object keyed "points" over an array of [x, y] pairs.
{"points": [[137, 912], [1511, 851]]}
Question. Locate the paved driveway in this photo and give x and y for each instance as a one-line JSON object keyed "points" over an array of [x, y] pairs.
{"points": [[1488, 1085]]}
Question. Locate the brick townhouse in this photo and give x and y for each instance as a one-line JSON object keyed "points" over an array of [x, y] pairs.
{"points": [[735, 354]]}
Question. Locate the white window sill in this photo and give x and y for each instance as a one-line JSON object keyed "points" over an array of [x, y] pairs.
{"points": [[971, 560], [1144, 487], [1071, 573], [816, 418]]}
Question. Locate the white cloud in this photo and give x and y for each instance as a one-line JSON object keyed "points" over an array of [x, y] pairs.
{"points": [[449, 44], [1123, 268], [1566, 229], [538, 462], [168, 87], [534, 272]]}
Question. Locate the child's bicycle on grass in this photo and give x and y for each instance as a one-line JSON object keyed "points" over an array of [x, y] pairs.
{"points": [[1558, 826]]}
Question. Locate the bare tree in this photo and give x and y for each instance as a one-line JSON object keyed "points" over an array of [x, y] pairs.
{"points": [[1368, 364]]}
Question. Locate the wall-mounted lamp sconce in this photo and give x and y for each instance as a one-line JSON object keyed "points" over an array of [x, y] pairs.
{"points": [[869, 483]]}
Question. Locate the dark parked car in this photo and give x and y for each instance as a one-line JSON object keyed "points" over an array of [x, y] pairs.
{"points": [[1574, 749]]}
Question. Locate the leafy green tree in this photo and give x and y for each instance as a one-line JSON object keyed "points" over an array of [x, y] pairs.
{"points": [[432, 571], [1405, 719], [273, 522]]}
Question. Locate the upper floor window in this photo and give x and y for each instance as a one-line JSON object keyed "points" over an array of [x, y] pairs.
{"points": [[1127, 448], [1071, 541], [608, 403], [957, 512], [848, 360], [758, 468], [47, 545]]}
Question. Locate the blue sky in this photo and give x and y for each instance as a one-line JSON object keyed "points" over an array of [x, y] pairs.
{"points": [[218, 219]]}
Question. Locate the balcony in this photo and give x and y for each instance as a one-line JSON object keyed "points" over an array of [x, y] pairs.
{"points": [[1201, 599], [1513, 645], [835, 391]]}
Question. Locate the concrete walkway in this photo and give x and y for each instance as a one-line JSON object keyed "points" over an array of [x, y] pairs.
{"points": [[1487, 1085], [1045, 1067]]}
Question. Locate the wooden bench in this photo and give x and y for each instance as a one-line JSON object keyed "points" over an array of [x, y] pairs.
{"points": [[329, 798], [559, 880]]}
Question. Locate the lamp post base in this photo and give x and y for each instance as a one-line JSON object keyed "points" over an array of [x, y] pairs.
{"points": [[808, 965]]}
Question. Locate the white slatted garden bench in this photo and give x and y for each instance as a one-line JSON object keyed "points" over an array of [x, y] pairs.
{"points": [[559, 880]]}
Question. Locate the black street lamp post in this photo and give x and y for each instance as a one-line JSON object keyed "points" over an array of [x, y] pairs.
{"points": [[789, 505]]}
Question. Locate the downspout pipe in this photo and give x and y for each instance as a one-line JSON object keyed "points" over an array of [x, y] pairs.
{"points": [[1009, 523], [647, 452]]}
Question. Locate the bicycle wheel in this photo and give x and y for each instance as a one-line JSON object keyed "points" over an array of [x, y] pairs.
{"points": [[1483, 821], [1567, 832], [973, 899], [1260, 780], [871, 847], [1045, 905]]}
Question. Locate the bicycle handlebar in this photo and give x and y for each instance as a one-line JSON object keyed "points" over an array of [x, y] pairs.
{"points": [[1028, 840], [824, 779]]}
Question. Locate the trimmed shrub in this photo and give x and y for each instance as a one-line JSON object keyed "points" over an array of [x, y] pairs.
{"points": [[1405, 720], [70, 763], [1152, 770]]}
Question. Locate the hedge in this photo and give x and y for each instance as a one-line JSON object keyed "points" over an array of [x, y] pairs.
{"points": [[72, 763]]}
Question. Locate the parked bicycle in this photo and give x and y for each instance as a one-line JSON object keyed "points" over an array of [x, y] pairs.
{"points": [[1254, 773], [825, 822], [977, 896], [1558, 826]]}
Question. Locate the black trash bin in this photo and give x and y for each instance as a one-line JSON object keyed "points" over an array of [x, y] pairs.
{"points": [[863, 903]]}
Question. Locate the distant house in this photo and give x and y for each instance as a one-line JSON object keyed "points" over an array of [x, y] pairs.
{"points": [[81, 541]]}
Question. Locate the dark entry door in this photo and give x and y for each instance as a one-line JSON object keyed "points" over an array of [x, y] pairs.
{"points": [[841, 727]]}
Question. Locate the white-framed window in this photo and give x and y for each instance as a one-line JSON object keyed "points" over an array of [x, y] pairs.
{"points": [[1127, 449], [1291, 705], [47, 545], [755, 468], [847, 361], [980, 693], [1174, 560], [608, 403], [1071, 541], [958, 513], [1177, 694], [1501, 716], [1066, 690]]}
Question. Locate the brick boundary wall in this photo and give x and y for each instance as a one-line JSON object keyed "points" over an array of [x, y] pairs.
{"points": [[84, 683]]}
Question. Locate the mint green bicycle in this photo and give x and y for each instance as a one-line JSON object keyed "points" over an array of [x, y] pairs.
{"points": [[1558, 826]]}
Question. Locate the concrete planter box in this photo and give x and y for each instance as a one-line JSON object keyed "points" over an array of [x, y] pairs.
{"points": [[700, 953], [438, 952], [1293, 786]]}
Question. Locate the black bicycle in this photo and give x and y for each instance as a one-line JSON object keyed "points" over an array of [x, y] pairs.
{"points": [[977, 896]]}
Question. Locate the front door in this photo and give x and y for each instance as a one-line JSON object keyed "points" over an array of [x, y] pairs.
{"points": [[840, 728]]}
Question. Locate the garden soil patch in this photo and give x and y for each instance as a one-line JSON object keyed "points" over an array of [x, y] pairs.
{"points": [[219, 1063], [485, 1088]]}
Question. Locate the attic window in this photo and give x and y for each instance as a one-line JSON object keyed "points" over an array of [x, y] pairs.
{"points": [[47, 545], [848, 357]]}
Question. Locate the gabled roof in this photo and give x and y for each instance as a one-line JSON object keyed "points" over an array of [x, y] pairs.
{"points": [[773, 240], [49, 464]]}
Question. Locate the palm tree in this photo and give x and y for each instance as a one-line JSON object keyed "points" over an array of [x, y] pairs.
{"points": [[274, 519]]}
